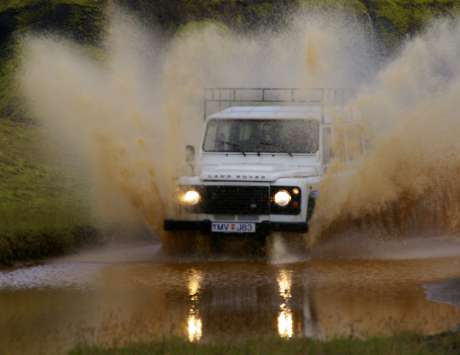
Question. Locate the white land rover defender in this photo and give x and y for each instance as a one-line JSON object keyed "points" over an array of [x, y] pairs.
{"points": [[262, 156]]}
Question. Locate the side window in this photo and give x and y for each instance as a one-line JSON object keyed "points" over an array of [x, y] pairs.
{"points": [[327, 145], [210, 140], [313, 136]]}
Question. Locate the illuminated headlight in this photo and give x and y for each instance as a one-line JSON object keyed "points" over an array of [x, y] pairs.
{"points": [[190, 197], [282, 198]]}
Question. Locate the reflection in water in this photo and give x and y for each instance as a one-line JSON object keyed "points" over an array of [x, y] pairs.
{"points": [[194, 323], [311, 327], [285, 318], [285, 322], [232, 301], [194, 327]]}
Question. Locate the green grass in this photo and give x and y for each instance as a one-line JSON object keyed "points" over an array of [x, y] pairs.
{"points": [[395, 19], [448, 344], [42, 207], [8, 98], [357, 6], [19, 4]]}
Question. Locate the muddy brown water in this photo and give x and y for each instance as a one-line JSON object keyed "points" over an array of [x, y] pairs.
{"points": [[133, 293]]}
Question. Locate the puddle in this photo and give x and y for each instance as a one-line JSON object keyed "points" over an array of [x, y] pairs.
{"points": [[49, 308]]}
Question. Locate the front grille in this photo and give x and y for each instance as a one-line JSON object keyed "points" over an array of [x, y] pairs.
{"points": [[240, 200]]}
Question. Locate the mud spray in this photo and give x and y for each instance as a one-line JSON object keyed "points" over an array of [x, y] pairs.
{"points": [[130, 108], [406, 179]]}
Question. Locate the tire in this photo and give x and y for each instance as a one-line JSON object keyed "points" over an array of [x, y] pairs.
{"points": [[256, 245], [185, 243], [179, 243], [286, 244]]}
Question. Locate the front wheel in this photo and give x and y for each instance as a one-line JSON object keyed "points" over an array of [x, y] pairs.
{"points": [[285, 245], [183, 243]]}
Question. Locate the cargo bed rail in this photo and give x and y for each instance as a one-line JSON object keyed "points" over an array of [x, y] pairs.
{"points": [[218, 99]]}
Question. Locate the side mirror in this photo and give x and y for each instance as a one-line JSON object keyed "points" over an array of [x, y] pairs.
{"points": [[189, 154]]}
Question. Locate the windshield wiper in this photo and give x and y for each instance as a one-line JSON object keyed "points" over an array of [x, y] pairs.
{"points": [[234, 145]]}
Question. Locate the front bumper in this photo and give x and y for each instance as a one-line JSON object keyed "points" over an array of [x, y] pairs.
{"points": [[261, 228]]}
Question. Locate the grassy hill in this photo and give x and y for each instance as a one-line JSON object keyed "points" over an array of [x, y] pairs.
{"points": [[392, 20], [83, 21], [42, 208]]}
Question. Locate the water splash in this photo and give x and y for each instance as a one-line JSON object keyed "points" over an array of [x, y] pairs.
{"points": [[405, 182], [130, 108]]}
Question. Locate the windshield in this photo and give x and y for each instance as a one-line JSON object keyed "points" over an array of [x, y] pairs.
{"points": [[262, 136]]}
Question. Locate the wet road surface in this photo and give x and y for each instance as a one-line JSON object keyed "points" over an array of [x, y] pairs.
{"points": [[133, 293]]}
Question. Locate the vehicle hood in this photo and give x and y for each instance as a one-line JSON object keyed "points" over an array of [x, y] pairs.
{"points": [[250, 172]]}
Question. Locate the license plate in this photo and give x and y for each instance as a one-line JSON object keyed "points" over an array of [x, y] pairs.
{"points": [[220, 227]]}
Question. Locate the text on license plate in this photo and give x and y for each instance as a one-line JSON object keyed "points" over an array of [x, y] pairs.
{"points": [[220, 227]]}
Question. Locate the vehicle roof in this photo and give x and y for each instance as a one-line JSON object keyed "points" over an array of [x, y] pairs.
{"points": [[271, 112]]}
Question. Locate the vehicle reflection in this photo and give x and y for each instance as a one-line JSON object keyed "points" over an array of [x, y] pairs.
{"points": [[280, 307], [194, 322], [227, 302], [285, 320]]}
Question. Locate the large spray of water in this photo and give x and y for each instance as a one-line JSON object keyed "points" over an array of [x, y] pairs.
{"points": [[130, 111], [407, 180]]}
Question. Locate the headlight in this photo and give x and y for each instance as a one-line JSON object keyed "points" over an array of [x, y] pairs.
{"points": [[191, 197], [282, 198]]}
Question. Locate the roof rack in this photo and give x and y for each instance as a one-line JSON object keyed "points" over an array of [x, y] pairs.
{"points": [[218, 99]]}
